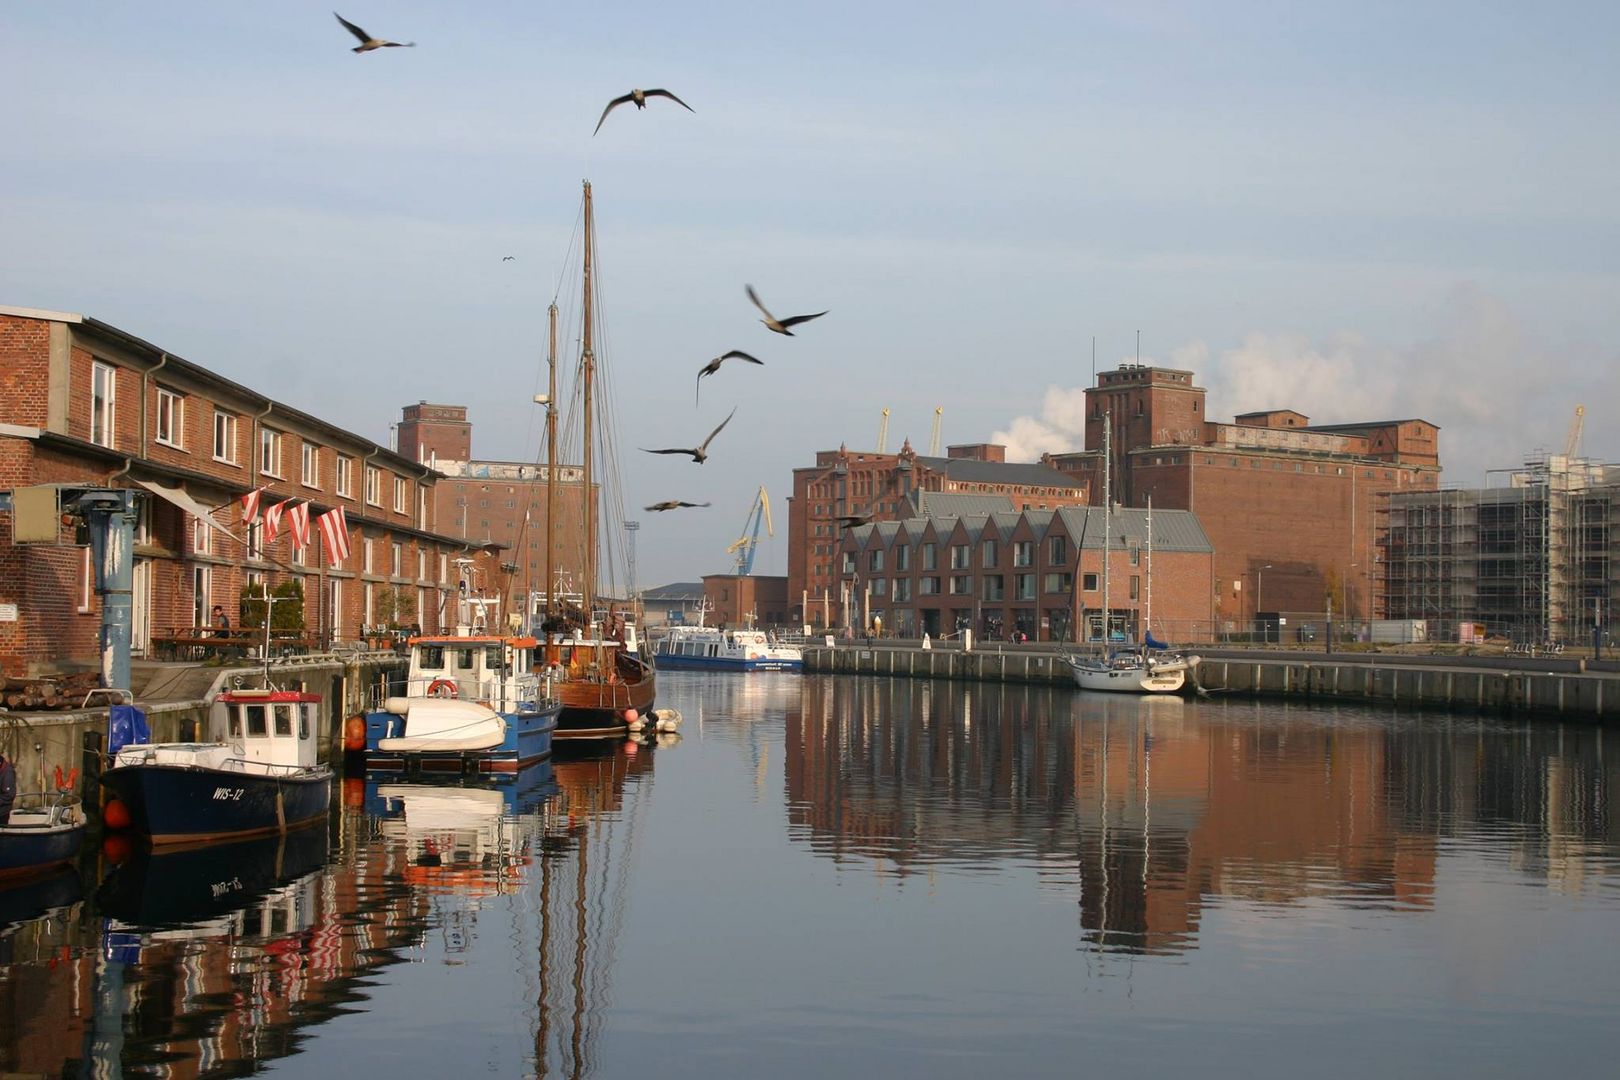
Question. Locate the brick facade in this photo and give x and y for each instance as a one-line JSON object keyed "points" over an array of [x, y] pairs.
{"points": [[176, 423]]}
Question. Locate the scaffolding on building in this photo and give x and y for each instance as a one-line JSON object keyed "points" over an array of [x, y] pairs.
{"points": [[1534, 559]]}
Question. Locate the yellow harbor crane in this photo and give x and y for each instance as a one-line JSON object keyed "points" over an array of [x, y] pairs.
{"points": [[883, 432], [933, 439], [1572, 442], [743, 547]]}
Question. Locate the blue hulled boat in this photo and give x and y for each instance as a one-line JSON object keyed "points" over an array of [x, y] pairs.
{"points": [[45, 831], [472, 705], [709, 648], [258, 774]]}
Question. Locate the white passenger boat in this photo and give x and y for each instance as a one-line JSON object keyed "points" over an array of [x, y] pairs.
{"points": [[709, 648]]}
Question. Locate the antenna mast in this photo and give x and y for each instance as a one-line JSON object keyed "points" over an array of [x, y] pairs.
{"points": [[551, 453], [587, 363]]}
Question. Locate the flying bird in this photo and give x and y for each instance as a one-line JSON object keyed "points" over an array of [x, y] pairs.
{"points": [[850, 521], [779, 325], [507, 258], [699, 454], [640, 98], [714, 365], [670, 504], [367, 42]]}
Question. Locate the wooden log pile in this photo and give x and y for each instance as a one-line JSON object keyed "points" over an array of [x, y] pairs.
{"points": [[43, 694]]}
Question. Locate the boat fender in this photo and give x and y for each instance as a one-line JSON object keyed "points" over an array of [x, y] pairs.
{"points": [[442, 688], [633, 719], [354, 732], [115, 815], [398, 706]]}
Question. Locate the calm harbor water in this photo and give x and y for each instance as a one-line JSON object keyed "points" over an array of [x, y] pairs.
{"points": [[829, 876]]}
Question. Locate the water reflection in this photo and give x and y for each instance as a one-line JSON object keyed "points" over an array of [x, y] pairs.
{"points": [[1151, 810]]}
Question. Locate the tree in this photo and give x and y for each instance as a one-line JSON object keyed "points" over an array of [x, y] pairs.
{"points": [[395, 606], [289, 606]]}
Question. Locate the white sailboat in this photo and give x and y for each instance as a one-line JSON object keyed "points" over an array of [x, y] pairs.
{"points": [[1136, 669]]}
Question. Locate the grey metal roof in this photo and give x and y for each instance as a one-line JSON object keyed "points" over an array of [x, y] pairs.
{"points": [[951, 504], [1173, 530], [972, 470], [675, 590]]}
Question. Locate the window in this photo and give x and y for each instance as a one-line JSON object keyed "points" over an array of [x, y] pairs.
{"points": [[930, 557], [421, 568], [421, 507], [270, 452], [902, 589], [902, 558], [224, 437], [200, 538], [989, 553], [398, 563], [312, 466], [170, 418], [284, 719], [1023, 553], [1136, 556], [400, 492], [255, 540], [345, 476], [1136, 587], [928, 586], [849, 562], [444, 569], [880, 586], [1059, 583], [370, 596], [993, 587], [962, 585], [874, 560], [1088, 582], [201, 586], [1057, 550], [959, 556], [1024, 586], [365, 561], [256, 724], [103, 389], [373, 486]]}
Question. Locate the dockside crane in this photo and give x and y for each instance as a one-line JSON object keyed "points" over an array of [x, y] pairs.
{"points": [[883, 432], [743, 547], [933, 439], [1572, 442]]}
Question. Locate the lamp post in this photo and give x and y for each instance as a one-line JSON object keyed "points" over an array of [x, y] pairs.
{"points": [[1259, 580]]}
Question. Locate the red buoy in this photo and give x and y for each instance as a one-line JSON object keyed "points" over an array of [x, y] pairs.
{"points": [[115, 847], [115, 815], [354, 733]]}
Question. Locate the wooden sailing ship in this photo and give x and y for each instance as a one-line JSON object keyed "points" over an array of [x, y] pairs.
{"points": [[604, 684]]}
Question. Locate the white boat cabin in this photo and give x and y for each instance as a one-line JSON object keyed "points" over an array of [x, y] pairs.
{"points": [[268, 727], [493, 671]]}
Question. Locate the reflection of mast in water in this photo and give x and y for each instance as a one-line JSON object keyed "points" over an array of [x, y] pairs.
{"points": [[582, 913]]}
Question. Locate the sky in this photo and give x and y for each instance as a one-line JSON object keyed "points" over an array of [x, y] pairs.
{"points": [[1360, 211]]}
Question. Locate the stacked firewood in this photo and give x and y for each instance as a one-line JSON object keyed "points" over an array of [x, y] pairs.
{"points": [[56, 692]]}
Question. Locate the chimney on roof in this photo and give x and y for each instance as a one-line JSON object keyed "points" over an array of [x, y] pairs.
{"points": [[978, 452]]}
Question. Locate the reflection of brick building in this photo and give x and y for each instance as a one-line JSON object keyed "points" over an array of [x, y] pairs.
{"points": [[86, 403], [886, 487], [1288, 505], [499, 502]]}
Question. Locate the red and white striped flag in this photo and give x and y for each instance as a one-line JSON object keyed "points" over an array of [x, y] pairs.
{"points": [[250, 505], [272, 522], [298, 525], [335, 533]]}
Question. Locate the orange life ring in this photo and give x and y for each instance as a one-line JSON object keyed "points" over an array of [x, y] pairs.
{"points": [[443, 688]]}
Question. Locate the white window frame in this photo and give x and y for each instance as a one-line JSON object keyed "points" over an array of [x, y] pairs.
{"points": [[366, 562], [345, 476], [310, 470], [397, 560], [373, 486], [202, 542], [171, 418], [87, 582], [225, 434], [421, 564], [270, 452], [103, 404], [254, 532], [421, 507], [401, 491], [444, 568], [202, 589]]}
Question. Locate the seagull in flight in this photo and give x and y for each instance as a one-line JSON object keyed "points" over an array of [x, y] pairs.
{"points": [[850, 521], [699, 454], [779, 325], [507, 258], [640, 98], [714, 365], [670, 504], [367, 42]]}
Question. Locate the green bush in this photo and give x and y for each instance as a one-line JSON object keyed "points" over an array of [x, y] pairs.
{"points": [[289, 606]]}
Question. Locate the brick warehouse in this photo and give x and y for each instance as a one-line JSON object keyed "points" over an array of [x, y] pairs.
{"points": [[1034, 572], [499, 502], [889, 487], [1290, 507], [84, 402]]}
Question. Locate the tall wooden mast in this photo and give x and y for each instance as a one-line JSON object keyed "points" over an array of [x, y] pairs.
{"points": [[551, 455], [588, 370]]}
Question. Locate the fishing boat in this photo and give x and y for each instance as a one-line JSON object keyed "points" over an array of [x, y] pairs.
{"points": [[45, 831], [1145, 669], [710, 648], [257, 770], [590, 655], [472, 704]]}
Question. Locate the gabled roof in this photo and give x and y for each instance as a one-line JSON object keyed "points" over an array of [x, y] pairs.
{"points": [[952, 504]]}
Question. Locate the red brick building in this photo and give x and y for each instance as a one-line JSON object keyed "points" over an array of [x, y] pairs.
{"points": [[1033, 572], [83, 402], [887, 487], [1289, 506], [745, 600], [499, 502]]}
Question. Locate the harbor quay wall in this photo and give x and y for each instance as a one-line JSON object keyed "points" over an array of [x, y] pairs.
{"points": [[1571, 694]]}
